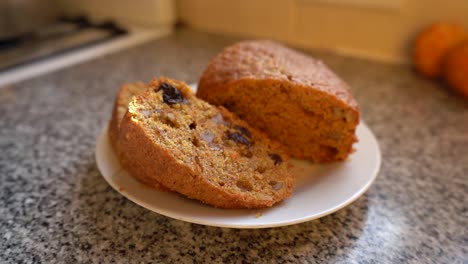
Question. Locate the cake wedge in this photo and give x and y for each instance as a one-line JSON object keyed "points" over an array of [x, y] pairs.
{"points": [[296, 99], [170, 137]]}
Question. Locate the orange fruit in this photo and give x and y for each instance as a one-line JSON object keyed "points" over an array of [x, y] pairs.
{"points": [[432, 44], [456, 68]]}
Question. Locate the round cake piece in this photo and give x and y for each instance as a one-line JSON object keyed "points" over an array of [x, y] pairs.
{"points": [[294, 98], [204, 152]]}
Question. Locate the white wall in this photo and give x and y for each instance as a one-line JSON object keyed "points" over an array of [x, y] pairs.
{"points": [[380, 31]]}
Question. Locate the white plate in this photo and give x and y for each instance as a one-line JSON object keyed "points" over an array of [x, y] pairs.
{"points": [[320, 189]]}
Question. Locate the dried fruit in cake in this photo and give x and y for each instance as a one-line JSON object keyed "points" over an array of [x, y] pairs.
{"points": [[293, 98], [204, 152]]}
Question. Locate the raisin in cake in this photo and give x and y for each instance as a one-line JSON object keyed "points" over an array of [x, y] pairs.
{"points": [[295, 99], [201, 151]]}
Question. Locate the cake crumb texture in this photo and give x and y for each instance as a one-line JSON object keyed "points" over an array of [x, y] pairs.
{"points": [[204, 152]]}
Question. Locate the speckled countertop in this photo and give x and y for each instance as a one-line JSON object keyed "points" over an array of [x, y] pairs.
{"points": [[56, 207]]}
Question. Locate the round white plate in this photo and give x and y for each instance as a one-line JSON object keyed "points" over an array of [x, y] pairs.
{"points": [[320, 190]]}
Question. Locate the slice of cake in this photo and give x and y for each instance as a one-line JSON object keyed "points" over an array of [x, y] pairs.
{"points": [[295, 99], [124, 97], [169, 136]]}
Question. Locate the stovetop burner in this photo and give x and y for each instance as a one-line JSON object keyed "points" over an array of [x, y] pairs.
{"points": [[65, 35]]}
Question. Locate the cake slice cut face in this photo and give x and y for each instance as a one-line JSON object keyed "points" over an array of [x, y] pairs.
{"points": [[124, 97], [172, 138]]}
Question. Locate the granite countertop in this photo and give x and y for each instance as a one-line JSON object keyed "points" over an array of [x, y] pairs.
{"points": [[56, 207]]}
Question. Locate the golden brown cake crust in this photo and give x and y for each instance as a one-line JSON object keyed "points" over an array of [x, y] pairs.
{"points": [[267, 60], [124, 97], [201, 151]]}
